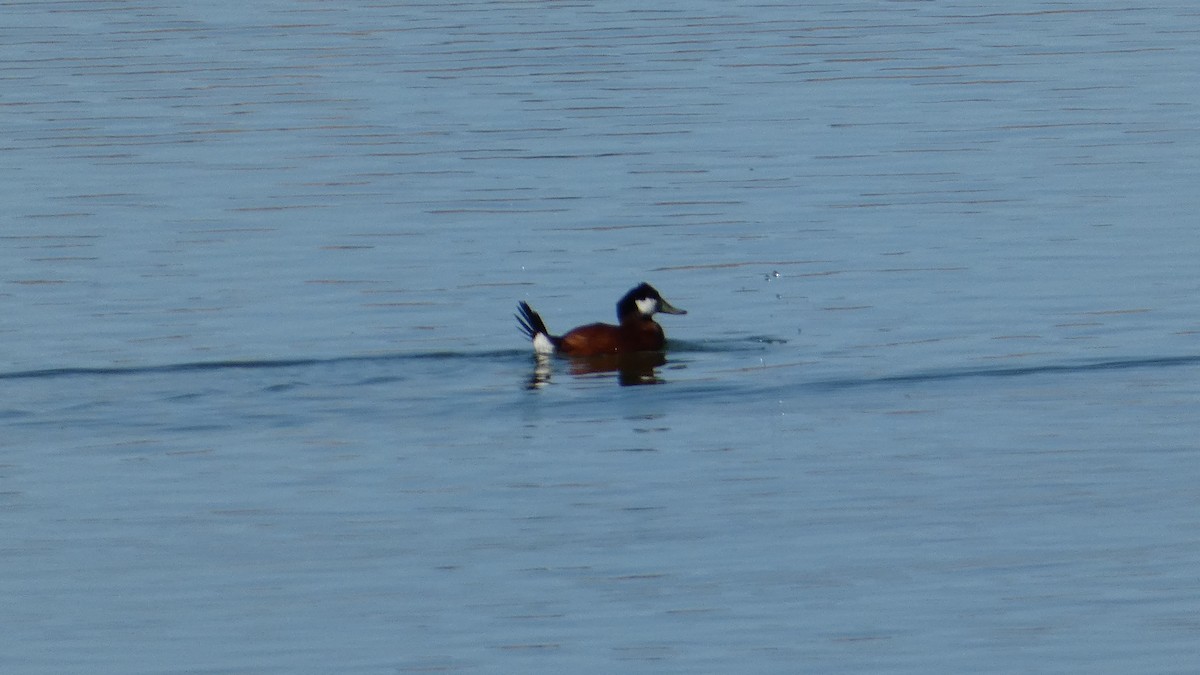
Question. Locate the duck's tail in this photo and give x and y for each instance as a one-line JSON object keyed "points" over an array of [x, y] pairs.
{"points": [[534, 328]]}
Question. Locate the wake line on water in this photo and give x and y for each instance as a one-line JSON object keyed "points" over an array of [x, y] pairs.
{"points": [[249, 364], [845, 383], [264, 364], [1012, 371]]}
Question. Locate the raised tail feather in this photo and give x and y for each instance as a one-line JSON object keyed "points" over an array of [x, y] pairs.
{"points": [[534, 328], [531, 324]]}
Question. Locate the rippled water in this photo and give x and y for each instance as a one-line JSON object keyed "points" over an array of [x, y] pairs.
{"points": [[264, 408]]}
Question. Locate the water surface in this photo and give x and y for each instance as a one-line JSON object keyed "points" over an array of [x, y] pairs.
{"points": [[263, 406]]}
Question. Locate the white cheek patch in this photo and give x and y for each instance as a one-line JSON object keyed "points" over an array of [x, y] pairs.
{"points": [[647, 306]]}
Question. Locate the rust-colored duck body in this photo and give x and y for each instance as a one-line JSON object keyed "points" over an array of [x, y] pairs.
{"points": [[636, 332]]}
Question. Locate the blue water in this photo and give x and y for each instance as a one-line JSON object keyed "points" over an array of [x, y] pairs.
{"points": [[264, 407]]}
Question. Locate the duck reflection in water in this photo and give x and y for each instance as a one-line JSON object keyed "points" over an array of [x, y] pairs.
{"points": [[632, 369], [632, 349]]}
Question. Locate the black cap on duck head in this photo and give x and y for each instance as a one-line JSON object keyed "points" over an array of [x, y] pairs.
{"points": [[645, 300]]}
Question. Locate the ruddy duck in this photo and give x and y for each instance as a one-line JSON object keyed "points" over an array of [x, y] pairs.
{"points": [[638, 331]]}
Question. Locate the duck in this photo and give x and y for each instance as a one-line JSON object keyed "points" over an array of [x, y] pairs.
{"points": [[637, 331]]}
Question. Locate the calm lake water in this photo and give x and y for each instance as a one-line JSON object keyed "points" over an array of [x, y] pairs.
{"points": [[264, 407]]}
